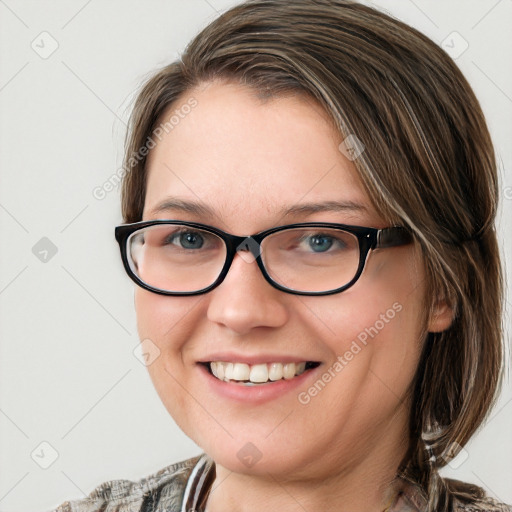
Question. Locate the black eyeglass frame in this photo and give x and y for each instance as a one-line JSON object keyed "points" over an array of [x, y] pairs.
{"points": [[368, 238]]}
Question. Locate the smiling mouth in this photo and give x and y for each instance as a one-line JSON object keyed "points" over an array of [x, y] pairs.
{"points": [[257, 374]]}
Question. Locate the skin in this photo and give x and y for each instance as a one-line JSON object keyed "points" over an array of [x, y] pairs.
{"points": [[246, 159]]}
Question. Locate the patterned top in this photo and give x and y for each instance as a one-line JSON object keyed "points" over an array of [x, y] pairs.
{"points": [[184, 487]]}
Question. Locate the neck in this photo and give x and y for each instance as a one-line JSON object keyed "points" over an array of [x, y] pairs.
{"points": [[367, 485]]}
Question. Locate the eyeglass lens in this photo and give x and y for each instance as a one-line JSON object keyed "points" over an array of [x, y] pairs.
{"points": [[179, 258]]}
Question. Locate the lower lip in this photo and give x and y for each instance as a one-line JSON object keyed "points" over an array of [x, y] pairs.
{"points": [[258, 393]]}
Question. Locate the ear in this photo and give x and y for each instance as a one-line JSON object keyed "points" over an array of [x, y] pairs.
{"points": [[442, 317]]}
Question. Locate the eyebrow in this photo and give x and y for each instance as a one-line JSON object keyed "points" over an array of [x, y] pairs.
{"points": [[202, 209]]}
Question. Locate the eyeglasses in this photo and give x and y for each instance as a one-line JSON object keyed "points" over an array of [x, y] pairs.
{"points": [[172, 257]]}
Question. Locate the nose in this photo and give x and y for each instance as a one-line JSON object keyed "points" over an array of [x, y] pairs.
{"points": [[245, 300]]}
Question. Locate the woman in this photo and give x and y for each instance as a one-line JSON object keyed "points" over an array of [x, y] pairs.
{"points": [[309, 204]]}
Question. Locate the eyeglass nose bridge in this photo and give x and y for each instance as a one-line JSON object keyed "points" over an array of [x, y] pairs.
{"points": [[249, 249]]}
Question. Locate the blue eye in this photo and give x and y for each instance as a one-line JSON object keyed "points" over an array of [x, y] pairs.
{"points": [[320, 243], [186, 240], [191, 240]]}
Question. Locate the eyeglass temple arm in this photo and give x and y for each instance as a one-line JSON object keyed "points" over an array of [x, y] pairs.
{"points": [[393, 237]]}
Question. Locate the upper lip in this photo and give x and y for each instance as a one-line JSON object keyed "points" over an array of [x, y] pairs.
{"points": [[230, 357]]}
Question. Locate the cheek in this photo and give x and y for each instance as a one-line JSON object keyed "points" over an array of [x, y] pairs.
{"points": [[165, 324], [378, 322], [395, 329], [164, 320]]}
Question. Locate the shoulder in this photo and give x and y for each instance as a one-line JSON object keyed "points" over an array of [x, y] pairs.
{"points": [[165, 487], [484, 504], [465, 497], [472, 498]]}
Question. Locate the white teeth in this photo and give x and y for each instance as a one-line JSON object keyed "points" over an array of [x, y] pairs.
{"points": [[257, 373], [221, 370], [300, 367], [228, 371], [275, 371], [241, 372], [289, 371]]}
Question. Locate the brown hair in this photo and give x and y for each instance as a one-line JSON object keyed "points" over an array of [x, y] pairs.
{"points": [[428, 164]]}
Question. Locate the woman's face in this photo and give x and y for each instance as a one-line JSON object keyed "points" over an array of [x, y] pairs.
{"points": [[248, 162]]}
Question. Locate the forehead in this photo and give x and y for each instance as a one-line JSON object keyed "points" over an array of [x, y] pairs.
{"points": [[247, 160]]}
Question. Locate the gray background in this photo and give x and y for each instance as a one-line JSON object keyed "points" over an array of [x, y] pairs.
{"points": [[69, 377]]}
